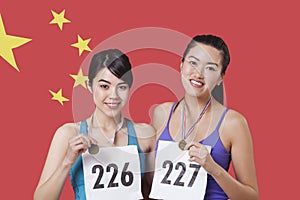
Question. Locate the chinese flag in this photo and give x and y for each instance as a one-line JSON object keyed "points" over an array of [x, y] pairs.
{"points": [[45, 47]]}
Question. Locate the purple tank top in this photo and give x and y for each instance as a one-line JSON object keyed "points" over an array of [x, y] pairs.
{"points": [[218, 153]]}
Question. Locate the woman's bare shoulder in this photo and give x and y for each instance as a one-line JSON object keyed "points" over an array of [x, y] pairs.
{"points": [[235, 125], [144, 130], [164, 107], [66, 131]]}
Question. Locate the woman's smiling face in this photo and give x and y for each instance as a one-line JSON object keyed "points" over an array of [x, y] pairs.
{"points": [[201, 69], [110, 93]]}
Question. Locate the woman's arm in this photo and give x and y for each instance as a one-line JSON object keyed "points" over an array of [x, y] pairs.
{"points": [[64, 150], [160, 117], [236, 131]]}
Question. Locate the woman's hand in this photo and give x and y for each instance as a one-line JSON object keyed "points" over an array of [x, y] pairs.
{"points": [[76, 146], [200, 154]]}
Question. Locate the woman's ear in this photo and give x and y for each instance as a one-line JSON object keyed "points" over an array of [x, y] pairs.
{"points": [[220, 81]]}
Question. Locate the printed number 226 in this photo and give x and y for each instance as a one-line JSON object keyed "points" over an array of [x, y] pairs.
{"points": [[111, 183]]}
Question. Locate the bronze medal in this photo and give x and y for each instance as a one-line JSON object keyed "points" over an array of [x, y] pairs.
{"points": [[182, 144], [94, 149]]}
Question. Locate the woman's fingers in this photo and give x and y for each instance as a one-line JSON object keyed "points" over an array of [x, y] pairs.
{"points": [[77, 145], [83, 139], [197, 152], [193, 144]]}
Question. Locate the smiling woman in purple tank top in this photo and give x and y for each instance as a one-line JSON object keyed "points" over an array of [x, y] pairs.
{"points": [[198, 119]]}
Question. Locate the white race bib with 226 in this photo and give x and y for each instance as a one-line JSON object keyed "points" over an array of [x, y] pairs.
{"points": [[113, 173], [175, 177]]}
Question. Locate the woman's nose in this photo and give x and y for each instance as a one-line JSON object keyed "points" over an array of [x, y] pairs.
{"points": [[114, 94], [199, 71]]}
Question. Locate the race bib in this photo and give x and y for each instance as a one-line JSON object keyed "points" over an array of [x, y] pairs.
{"points": [[112, 173], [176, 178]]}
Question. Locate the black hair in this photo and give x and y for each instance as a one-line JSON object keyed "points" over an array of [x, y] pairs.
{"points": [[213, 41], [115, 61]]}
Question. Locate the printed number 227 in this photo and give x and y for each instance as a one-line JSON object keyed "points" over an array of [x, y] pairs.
{"points": [[181, 165]]}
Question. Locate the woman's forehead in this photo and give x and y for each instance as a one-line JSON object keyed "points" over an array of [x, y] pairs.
{"points": [[106, 74], [205, 53]]}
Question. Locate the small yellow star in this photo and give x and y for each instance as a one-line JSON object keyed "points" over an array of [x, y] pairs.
{"points": [[59, 19], [82, 44], [80, 79], [58, 96], [9, 42]]}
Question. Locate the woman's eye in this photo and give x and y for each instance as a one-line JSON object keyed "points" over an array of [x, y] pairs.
{"points": [[193, 63], [104, 86], [211, 68], [123, 87]]}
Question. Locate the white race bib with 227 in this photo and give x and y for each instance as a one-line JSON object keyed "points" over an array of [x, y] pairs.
{"points": [[175, 177], [112, 173]]}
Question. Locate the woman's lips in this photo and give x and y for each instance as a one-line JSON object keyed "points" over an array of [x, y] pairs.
{"points": [[112, 105], [196, 83]]}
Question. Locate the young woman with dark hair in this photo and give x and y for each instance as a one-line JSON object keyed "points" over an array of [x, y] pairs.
{"points": [[110, 79]]}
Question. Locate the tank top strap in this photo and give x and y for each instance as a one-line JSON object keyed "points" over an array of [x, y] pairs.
{"points": [[83, 127], [131, 133], [171, 112], [76, 172], [132, 140], [221, 119], [213, 138]]}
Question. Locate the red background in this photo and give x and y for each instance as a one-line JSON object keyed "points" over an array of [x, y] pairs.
{"points": [[263, 38]]}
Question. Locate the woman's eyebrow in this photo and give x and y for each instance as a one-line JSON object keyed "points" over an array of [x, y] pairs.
{"points": [[208, 63], [212, 63], [104, 81], [121, 83], [194, 58]]}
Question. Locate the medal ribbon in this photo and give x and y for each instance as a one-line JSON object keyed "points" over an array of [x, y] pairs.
{"points": [[118, 128], [185, 135]]}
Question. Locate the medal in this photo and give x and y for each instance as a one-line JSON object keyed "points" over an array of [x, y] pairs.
{"points": [[182, 144], [94, 149]]}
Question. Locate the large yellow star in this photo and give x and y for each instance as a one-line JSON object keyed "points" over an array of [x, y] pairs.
{"points": [[59, 19], [7, 43], [58, 96], [80, 79], [82, 44]]}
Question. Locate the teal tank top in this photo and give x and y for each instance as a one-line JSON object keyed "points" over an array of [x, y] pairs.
{"points": [[76, 172]]}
